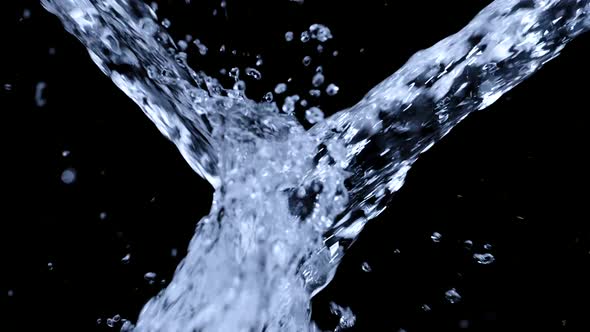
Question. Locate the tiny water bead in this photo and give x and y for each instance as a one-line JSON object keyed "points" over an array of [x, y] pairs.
{"points": [[126, 259], [8, 87], [166, 23], [366, 267], [487, 246], [201, 47], [304, 37], [317, 80], [255, 74], [240, 86], [150, 277], [289, 36], [306, 60], [468, 244], [280, 88], [332, 89], [65, 153], [234, 73], [268, 97], [320, 32], [436, 237], [315, 93], [50, 266], [10, 293], [314, 115], [68, 176], [452, 296], [289, 104], [173, 252], [102, 215], [40, 100], [347, 317], [484, 259]]}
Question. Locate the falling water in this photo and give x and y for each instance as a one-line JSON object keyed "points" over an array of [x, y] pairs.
{"points": [[288, 202]]}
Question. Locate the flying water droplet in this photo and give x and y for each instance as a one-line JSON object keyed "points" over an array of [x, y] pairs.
{"points": [[234, 73], [332, 89], [102, 215], [8, 87], [289, 104], [468, 244], [305, 37], [484, 259], [40, 101], [306, 60], [317, 80], [452, 296], [347, 317], [289, 36], [150, 277], [50, 266], [268, 97], [426, 308], [166, 23], [240, 86], [126, 259], [174, 252], [487, 246], [315, 93], [314, 115], [26, 13], [280, 88], [255, 74], [320, 32], [65, 153], [436, 237], [201, 47], [68, 176], [10, 293], [366, 267], [183, 45]]}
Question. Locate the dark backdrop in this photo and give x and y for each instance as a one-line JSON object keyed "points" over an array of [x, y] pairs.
{"points": [[513, 176]]}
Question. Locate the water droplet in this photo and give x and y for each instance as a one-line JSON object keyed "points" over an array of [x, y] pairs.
{"points": [[435, 237], [366, 267], [102, 215], [116, 318], [347, 317], [240, 86], [268, 97], [51, 51], [223, 4], [320, 32], [65, 153], [68, 176], [166, 23], [303, 103], [289, 36], [335, 53], [40, 101], [468, 244], [332, 89], [234, 73], [255, 74], [289, 104], [174, 252], [315, 93], [306, 60], [150, 276], [125, 260], [10, 293], [452, 296], [259, 62], [487, 246], [110, 322], [484, 259], [99, 321], [280, 88], [397, 252], [463, 324], [314, 115], [305, 37], [8, 87], [183, 45], [320, 48], [317, 80], [26, 13], [202, 48], [50, 266]]}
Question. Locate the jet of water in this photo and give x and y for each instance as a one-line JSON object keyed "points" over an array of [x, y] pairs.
{"points": [[289, 201]]}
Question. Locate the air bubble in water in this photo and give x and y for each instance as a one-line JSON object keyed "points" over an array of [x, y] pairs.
{"points": [[268, 97], [452, 296], [305, 37], [484, 259], [289, 36], [39, 99], [366, 267], [317, 80], [435, 237], [314, 115], [306, 60], [320, 32], [280, 88], [332, 89], [68, 176], [255, 74]]}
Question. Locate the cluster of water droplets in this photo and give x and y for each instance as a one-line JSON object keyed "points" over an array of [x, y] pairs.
{"points": [[289, 201]]}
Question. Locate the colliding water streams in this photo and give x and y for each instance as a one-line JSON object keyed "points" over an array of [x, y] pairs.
{"points": [[289, 201]]}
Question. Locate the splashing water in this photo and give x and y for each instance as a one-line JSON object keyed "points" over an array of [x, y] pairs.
{"points": [[288, 202]]}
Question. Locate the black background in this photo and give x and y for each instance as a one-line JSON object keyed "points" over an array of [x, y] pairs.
{"points": [[513, 176]]}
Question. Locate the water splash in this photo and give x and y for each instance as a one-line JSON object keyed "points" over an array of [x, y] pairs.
{"points": [[288, 202]]}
